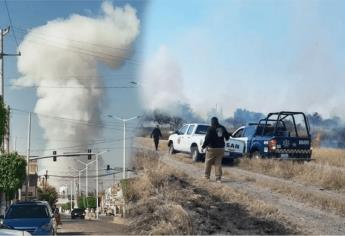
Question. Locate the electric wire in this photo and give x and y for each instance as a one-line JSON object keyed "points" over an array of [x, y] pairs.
{"points": [[112, 125], [11, 24], [36, 39]]}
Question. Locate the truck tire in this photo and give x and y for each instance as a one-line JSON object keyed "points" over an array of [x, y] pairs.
{"points": [[172, 149], [196, 156], [255, 155]]}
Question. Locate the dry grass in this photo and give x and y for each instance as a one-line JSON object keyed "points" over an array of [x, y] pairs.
{"points": [[313, 199], [321, 175], [330, 156], [310, 198], [165, 201]]}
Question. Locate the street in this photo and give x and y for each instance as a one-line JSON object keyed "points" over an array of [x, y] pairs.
{"points": [[104, 226]]}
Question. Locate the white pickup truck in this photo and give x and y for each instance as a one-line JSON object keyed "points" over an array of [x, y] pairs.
{"points": [[190, 137]]}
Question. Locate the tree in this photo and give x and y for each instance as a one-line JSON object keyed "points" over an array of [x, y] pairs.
{"points": [[67, 206], [48, 193], [176, 122], [3, 121], [12, 174], [160, 117], [87, 202]]}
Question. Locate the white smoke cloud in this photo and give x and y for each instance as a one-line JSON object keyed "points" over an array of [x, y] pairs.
{"points": [[65, 53], [162, 81]]}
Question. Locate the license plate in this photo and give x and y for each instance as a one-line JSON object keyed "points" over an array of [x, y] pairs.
{"points": [[226, 154], [284, 155]]}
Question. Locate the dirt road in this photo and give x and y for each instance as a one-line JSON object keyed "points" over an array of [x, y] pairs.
{"points": [[309, 216], [317, 221], [104, 226]]}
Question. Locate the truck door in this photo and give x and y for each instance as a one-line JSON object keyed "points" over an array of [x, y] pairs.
{"points": [[188, 139], [234, 147], [239, 134], [181, 138]]}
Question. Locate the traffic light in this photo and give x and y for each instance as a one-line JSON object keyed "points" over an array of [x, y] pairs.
{"points": [[89, 156], [108, 167], [54, 155]]}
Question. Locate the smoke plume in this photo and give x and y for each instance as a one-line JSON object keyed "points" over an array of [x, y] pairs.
{"points": [[61, 59], [162, 82]]}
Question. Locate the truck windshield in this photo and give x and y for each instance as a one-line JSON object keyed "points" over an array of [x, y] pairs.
{"points": [[201, 129], [249, 131], [27, 211]]}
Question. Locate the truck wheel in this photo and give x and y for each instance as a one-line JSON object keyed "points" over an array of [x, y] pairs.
{"points": [[255, 155], [196, 156], [171, 149]]}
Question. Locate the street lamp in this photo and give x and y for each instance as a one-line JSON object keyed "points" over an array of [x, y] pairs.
{"points": [[86, 167], [79, 171], [124, 139], [86, 174]]}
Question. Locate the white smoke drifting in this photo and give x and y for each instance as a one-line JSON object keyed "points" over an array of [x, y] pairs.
{"points": [[162, 82], [61, 59]]}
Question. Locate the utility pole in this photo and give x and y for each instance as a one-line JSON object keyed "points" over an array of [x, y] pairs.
{"points": [[27, 157], [3, 33], [124, 176]]}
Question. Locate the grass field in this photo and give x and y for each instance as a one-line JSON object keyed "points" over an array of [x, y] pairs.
{"points": [[329, 156], [163, 200]]}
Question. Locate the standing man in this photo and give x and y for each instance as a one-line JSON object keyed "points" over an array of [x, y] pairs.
{"points": [[214, 142], [156, 134]]}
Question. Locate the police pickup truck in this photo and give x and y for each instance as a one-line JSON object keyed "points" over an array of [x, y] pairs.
{"points": [[189, 139], [284, 135]]}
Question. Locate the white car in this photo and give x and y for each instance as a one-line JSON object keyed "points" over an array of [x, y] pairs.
{"points": [[5, 231], [189, 139]]}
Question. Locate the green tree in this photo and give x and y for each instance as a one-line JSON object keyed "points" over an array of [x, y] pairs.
{"points": [[48, 193], [67, 206], [3, 121], [87, 202], [12, 174]]}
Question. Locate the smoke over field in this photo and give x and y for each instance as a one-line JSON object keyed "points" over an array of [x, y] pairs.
{"points": [[61, 59]]}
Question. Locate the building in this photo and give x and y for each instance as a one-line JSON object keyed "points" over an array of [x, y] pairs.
{"points": [[33, 180]]}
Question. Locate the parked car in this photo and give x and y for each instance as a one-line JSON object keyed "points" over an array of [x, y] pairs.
{"points": [[35, 217], [189, 139], [78, 213]]}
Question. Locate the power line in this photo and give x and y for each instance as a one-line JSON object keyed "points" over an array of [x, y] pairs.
{"points": [[81, 145], [36, 39], [70, 87], [89, 77], [74, 40], [11, 24], [115, 126], [76, 177]]}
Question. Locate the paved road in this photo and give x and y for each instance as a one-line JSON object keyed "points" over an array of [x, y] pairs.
{"points": [[104, 226]]}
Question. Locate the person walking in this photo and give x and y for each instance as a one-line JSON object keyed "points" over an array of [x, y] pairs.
{"points": [[214, 142], [156, 134]]}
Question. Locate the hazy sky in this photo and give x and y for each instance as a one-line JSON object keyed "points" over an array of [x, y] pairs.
{"points": [[261, 55]]}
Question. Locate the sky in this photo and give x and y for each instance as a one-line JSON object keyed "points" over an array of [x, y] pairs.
{"points": [[260, 55]]}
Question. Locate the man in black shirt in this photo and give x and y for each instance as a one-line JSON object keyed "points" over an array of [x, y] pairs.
{"points": [[156, 134], [214, 142]]}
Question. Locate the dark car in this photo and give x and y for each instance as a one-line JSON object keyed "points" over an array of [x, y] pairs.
{"points": [[34, 217], [78, 213]]}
